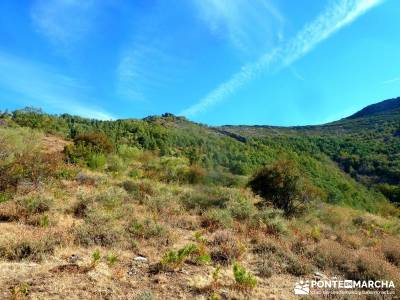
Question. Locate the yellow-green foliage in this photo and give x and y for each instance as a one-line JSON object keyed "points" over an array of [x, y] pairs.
{"points": [[242, 277]]}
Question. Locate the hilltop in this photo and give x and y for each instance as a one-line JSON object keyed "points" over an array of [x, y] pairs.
{"points": [[164, 208], [390, 106]]}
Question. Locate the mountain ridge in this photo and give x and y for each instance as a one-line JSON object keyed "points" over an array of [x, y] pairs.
{"points": [[385, 106]]}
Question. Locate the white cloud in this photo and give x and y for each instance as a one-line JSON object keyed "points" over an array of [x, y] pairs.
{"points": [[392, 80], [64, 22], [338, 15], [37, 83], [249, 25]]}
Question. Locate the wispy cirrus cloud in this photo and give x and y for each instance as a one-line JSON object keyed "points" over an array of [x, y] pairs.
{"points": [[39, 84], [249, 25], [335, 17], [64, 22], [392, 80], [145, 65]]}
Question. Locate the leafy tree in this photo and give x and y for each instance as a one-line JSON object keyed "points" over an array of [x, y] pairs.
{"points": [[280, 185]]}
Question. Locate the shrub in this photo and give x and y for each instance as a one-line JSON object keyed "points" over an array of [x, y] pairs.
{"points": [[330, 254], [140, 189], [20, 291], [226, 248], [175, 259], [22, 161], [86, 146], [370, 267], [297, 268], [111, 259], [204, 197], [147, 229], [391, 250], [195, 174], [264, 268], [98, 229], [96, 161], [38, 220], [217, 218], [97, 234], [219, 178], [200, 255], [130, 186], [135, 173], [111, 198], [35, 204], [280, 185], [271, 221], [243, 278], [116, 164], [241, 208], [168, 169], [128, 153], [86, 179], [34, 248], [97, 142], [96, 256], [81, 207], [4, 197], [276, 257]]}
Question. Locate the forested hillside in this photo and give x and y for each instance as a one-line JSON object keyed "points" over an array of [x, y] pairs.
{"points": [[365, 146]]}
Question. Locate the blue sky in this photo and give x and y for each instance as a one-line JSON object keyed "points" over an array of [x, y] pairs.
{"points": [[275, 62]]}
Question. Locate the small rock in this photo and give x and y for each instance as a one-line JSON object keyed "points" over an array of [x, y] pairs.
{"points": [[140, 258], [73, 258], [318, 275]]}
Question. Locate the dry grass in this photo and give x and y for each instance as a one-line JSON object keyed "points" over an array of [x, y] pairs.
{"points": [[124, 218]]}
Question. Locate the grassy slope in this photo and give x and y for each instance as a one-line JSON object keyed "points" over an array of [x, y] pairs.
{"points": [[109, 212]]}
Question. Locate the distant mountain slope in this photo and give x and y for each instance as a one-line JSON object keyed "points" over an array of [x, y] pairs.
{"points": [[387, 106], [366, 147]]}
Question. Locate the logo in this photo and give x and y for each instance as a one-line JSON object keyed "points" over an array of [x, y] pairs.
{"points": [[338, 286], [302, 288]]}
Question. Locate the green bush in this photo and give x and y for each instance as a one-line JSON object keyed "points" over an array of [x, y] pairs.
{"points": [[195, 174], [96, 161], [115, 164], [147, 229], [280, 185], [111, 259], [216, 218], [241, 208], [242, 277], [35, 204], [96, 141], [204, 197], [130, 186], [128, 153], [271, 220], [175, 259]]}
